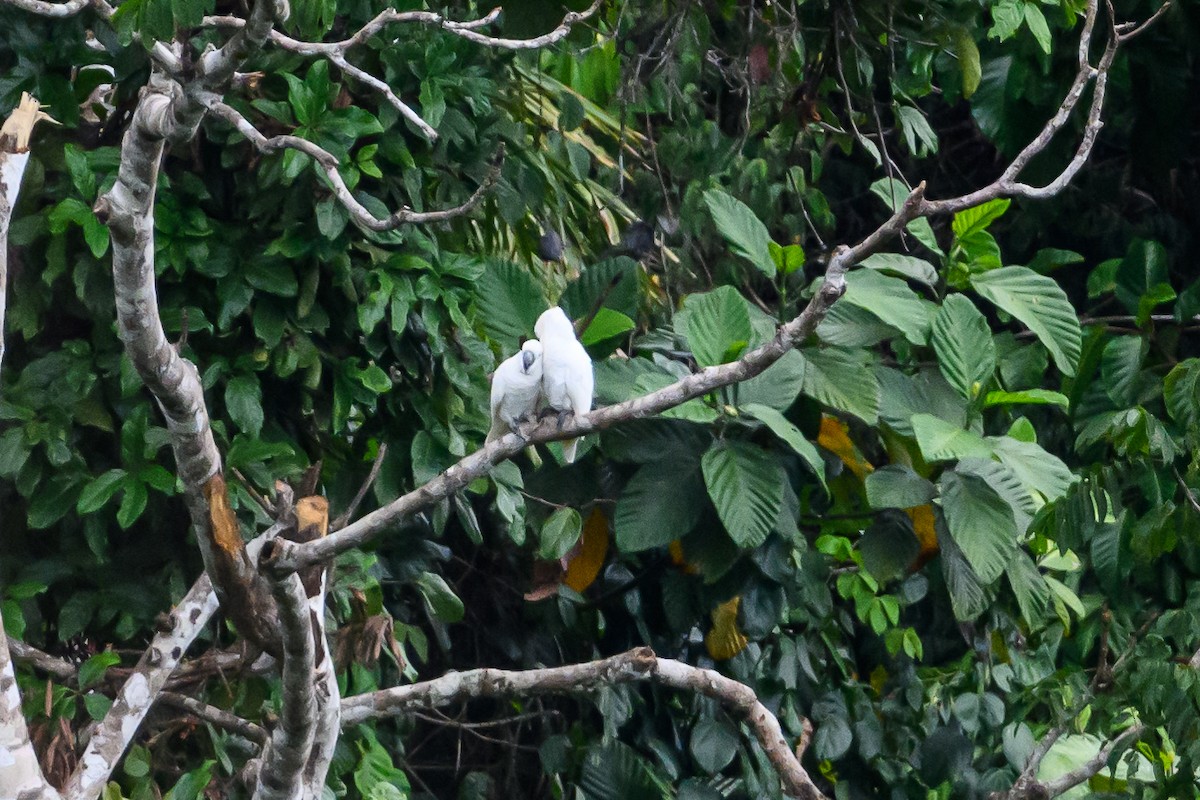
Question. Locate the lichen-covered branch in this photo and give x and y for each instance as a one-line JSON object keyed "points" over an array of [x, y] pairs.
{"points": [[20, 774], [218, 717], [56, 10], [630, 667], [111, 737], [329, 165], [282, 774]]}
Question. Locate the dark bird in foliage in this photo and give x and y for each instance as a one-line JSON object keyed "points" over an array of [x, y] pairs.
{"points": [[550, 246], [637, 242]]}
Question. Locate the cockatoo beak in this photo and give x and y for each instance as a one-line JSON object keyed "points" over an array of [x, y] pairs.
{"points": [[527, 359]]}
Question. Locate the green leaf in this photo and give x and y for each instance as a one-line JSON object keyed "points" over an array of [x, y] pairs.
{"points": [[509, 301], [92, 671], [1155, 296], [559, 533], [782, 427], [82, 176], [941, 441], [1036, 21], [891, 300], [963, 343], [1045, 475], [714, 745], [980, 522], [716, 324], [1182, 393], [75, 615], [911, 267], [133, 503], [658, 506], [745, 483], [1041, 304], [1031, 589], [839, 379], [191, 785], [968, 61], [613, 771], [442, 600], [787, 259], [1006, 20], [777, 386], [605, 325], [1120, 367], [98, 706], [99, 491], [243, 401], [616, 279], [1037, 397], [977, 218], [897, 486], [1003, 480], [918, 134], [744, 232], [889, 546], [894, 193]]}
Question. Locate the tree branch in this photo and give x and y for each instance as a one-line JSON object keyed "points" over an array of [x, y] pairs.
{"points": [[281, 776], [111, 736], [1028, 787], [54, 10], [329, 164], [20, 773], [218, 717], [630, 667]]}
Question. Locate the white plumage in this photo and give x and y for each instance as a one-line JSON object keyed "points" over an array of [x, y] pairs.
{"points": [[516, 389], [567, 379]]}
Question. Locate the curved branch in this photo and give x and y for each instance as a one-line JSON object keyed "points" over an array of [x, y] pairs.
{"points": [[217, 717], [111, 736], [329, 164], [630, 667], [45, 9]]}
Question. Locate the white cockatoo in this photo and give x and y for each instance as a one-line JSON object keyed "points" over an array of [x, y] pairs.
{"points": [[516, 389], [567, 378]]}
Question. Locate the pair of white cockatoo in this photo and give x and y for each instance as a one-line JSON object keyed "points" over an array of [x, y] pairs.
{"points": [[552, 371]]}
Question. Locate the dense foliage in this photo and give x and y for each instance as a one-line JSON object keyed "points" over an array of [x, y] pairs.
{"points": [[961, 516]]}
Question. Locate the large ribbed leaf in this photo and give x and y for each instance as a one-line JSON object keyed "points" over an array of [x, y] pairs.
{"points": [[963, 343], [917, 269], [509, 301], [892, 301], [967, 595], [841, 380], [746, 486], [1005, 482], [716, 324], [1045, 476], [980, 522], [941, 441], [778, 386], [613, 771], [782, 427], [615, 278], [747, 236], [1182, 390], [1120, 366], [658, 506], [1041, 304]]}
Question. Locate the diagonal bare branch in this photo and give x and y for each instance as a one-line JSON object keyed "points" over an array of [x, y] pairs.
{"points": [[112, 736]]}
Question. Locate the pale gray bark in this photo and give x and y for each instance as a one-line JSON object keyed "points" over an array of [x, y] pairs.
{"points": [[630, 667], [282, 774], [111, 737], [20, 773]]}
